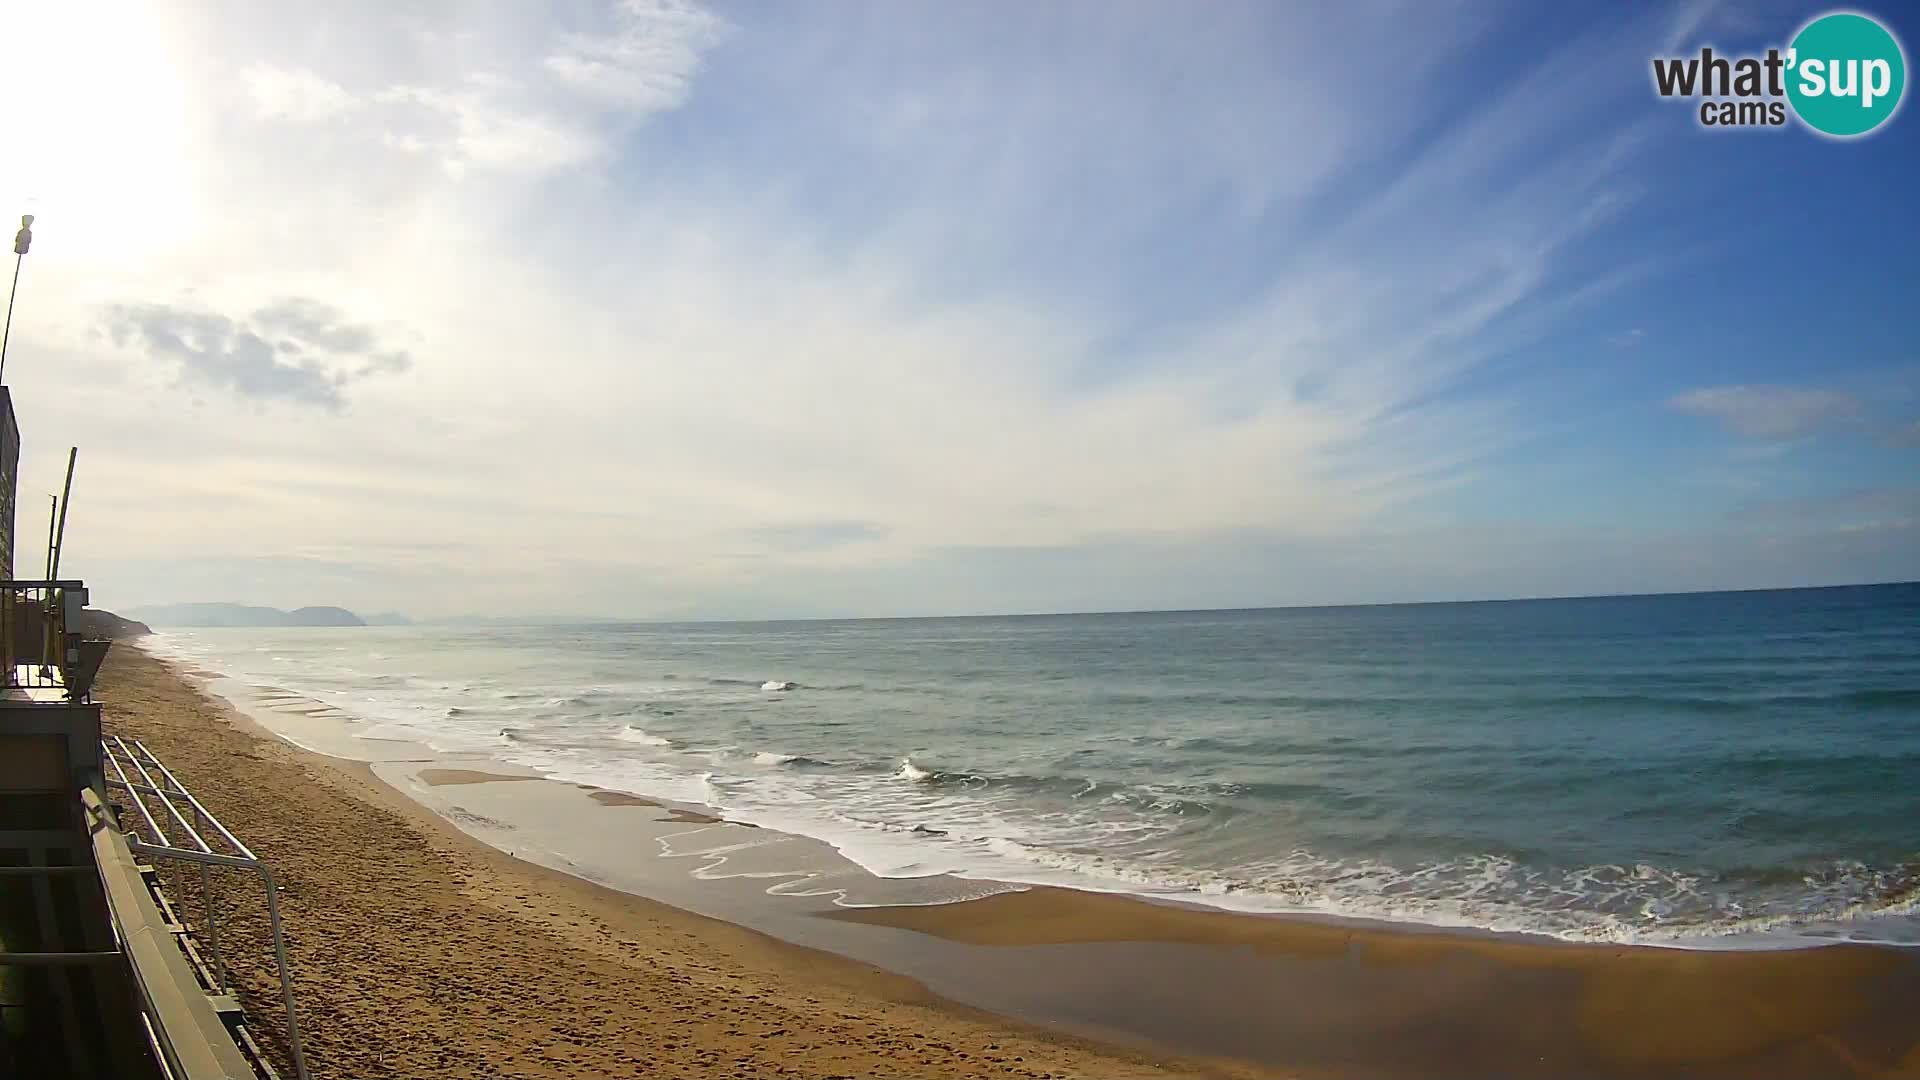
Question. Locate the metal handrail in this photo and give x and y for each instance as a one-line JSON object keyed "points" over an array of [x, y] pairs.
{"points": [[153, 827], [149, 788], [205, 814], [118, 754]]}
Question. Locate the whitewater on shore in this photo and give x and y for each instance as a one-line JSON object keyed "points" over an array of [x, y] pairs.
{"points": [[1701, 771]]}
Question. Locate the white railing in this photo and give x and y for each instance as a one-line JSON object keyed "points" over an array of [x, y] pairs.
{"points": [[157, 795]]}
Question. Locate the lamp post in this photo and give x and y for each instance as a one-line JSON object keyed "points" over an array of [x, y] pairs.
{"points": [[22, 240]]}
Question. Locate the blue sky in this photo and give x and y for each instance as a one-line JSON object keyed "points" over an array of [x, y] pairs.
{"points": [[741, 310]]}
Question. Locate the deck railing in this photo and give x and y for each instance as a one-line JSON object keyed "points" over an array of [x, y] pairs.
{"points": [[191, 834], [39, 649]]}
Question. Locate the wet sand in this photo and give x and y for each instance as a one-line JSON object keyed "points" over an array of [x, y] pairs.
{"points": [[1392, 1001], [1306, 997], [672, 813], [620, 798], [451, 777]]}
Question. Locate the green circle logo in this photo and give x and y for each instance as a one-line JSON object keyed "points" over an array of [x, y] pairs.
{"points": [[1845, 74]]}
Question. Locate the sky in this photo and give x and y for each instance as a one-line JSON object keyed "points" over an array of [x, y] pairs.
{"points": [[659, 309]]}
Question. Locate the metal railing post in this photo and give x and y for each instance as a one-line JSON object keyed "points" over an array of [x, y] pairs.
{"points": [[286, 978], [213, 921]]}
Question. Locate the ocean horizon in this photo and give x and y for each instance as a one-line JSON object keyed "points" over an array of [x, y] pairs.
{"points": [[1705, 769], [696, 619]]}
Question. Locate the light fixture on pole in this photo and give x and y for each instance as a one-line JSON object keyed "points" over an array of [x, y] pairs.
{"points": [[22, 240]]}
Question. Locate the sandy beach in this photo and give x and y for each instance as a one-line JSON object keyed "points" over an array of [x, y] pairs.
{"points": [[421, 952]]}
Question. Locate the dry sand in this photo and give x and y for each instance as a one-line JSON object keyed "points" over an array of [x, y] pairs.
{"points": [[420, 952]]}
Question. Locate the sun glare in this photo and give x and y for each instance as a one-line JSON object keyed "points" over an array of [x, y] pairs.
{"points": [[97, 142]]}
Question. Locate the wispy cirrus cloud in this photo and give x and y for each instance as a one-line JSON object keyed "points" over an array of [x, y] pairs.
{"points": [[904, 308], [1771, 412], [525, 107], [1686, 23], [644, 58], [1889, 507]]}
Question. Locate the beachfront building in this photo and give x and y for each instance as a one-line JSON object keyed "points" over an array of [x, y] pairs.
{"points": [[100, 974]]}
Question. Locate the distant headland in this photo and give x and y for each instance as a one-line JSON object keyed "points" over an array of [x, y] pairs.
{"points": [[245, 615]]}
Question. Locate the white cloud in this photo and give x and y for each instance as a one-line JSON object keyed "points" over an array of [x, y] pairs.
{"points": [[850, 359], [464, 128], [645, 61], [1771, 412], [296, 95], [524, 109], [294, 350]]}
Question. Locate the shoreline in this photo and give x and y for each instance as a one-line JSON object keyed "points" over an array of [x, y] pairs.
{"points": [[323, 717], [420, 951], [1299, 992], [271, 707]]}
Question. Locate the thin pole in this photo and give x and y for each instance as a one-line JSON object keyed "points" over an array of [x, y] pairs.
{"points": [[46, 634], [66, 497], [8, 332], [52, 512], [286, 978], [213, 922]]}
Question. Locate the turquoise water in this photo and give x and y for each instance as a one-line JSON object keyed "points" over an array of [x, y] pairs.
{"points": [[1688, 769]]}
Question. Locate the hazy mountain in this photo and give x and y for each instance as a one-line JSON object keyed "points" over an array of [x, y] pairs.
{"points": [[527, 620], [243, 615], [323, 616], [387, 618]]}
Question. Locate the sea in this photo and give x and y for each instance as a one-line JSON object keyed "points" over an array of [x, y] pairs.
{"points": [[1700, 770]]}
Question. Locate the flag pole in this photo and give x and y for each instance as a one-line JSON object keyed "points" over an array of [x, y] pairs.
{"points": [[52, 513], [22, 240], [66, 498]]}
